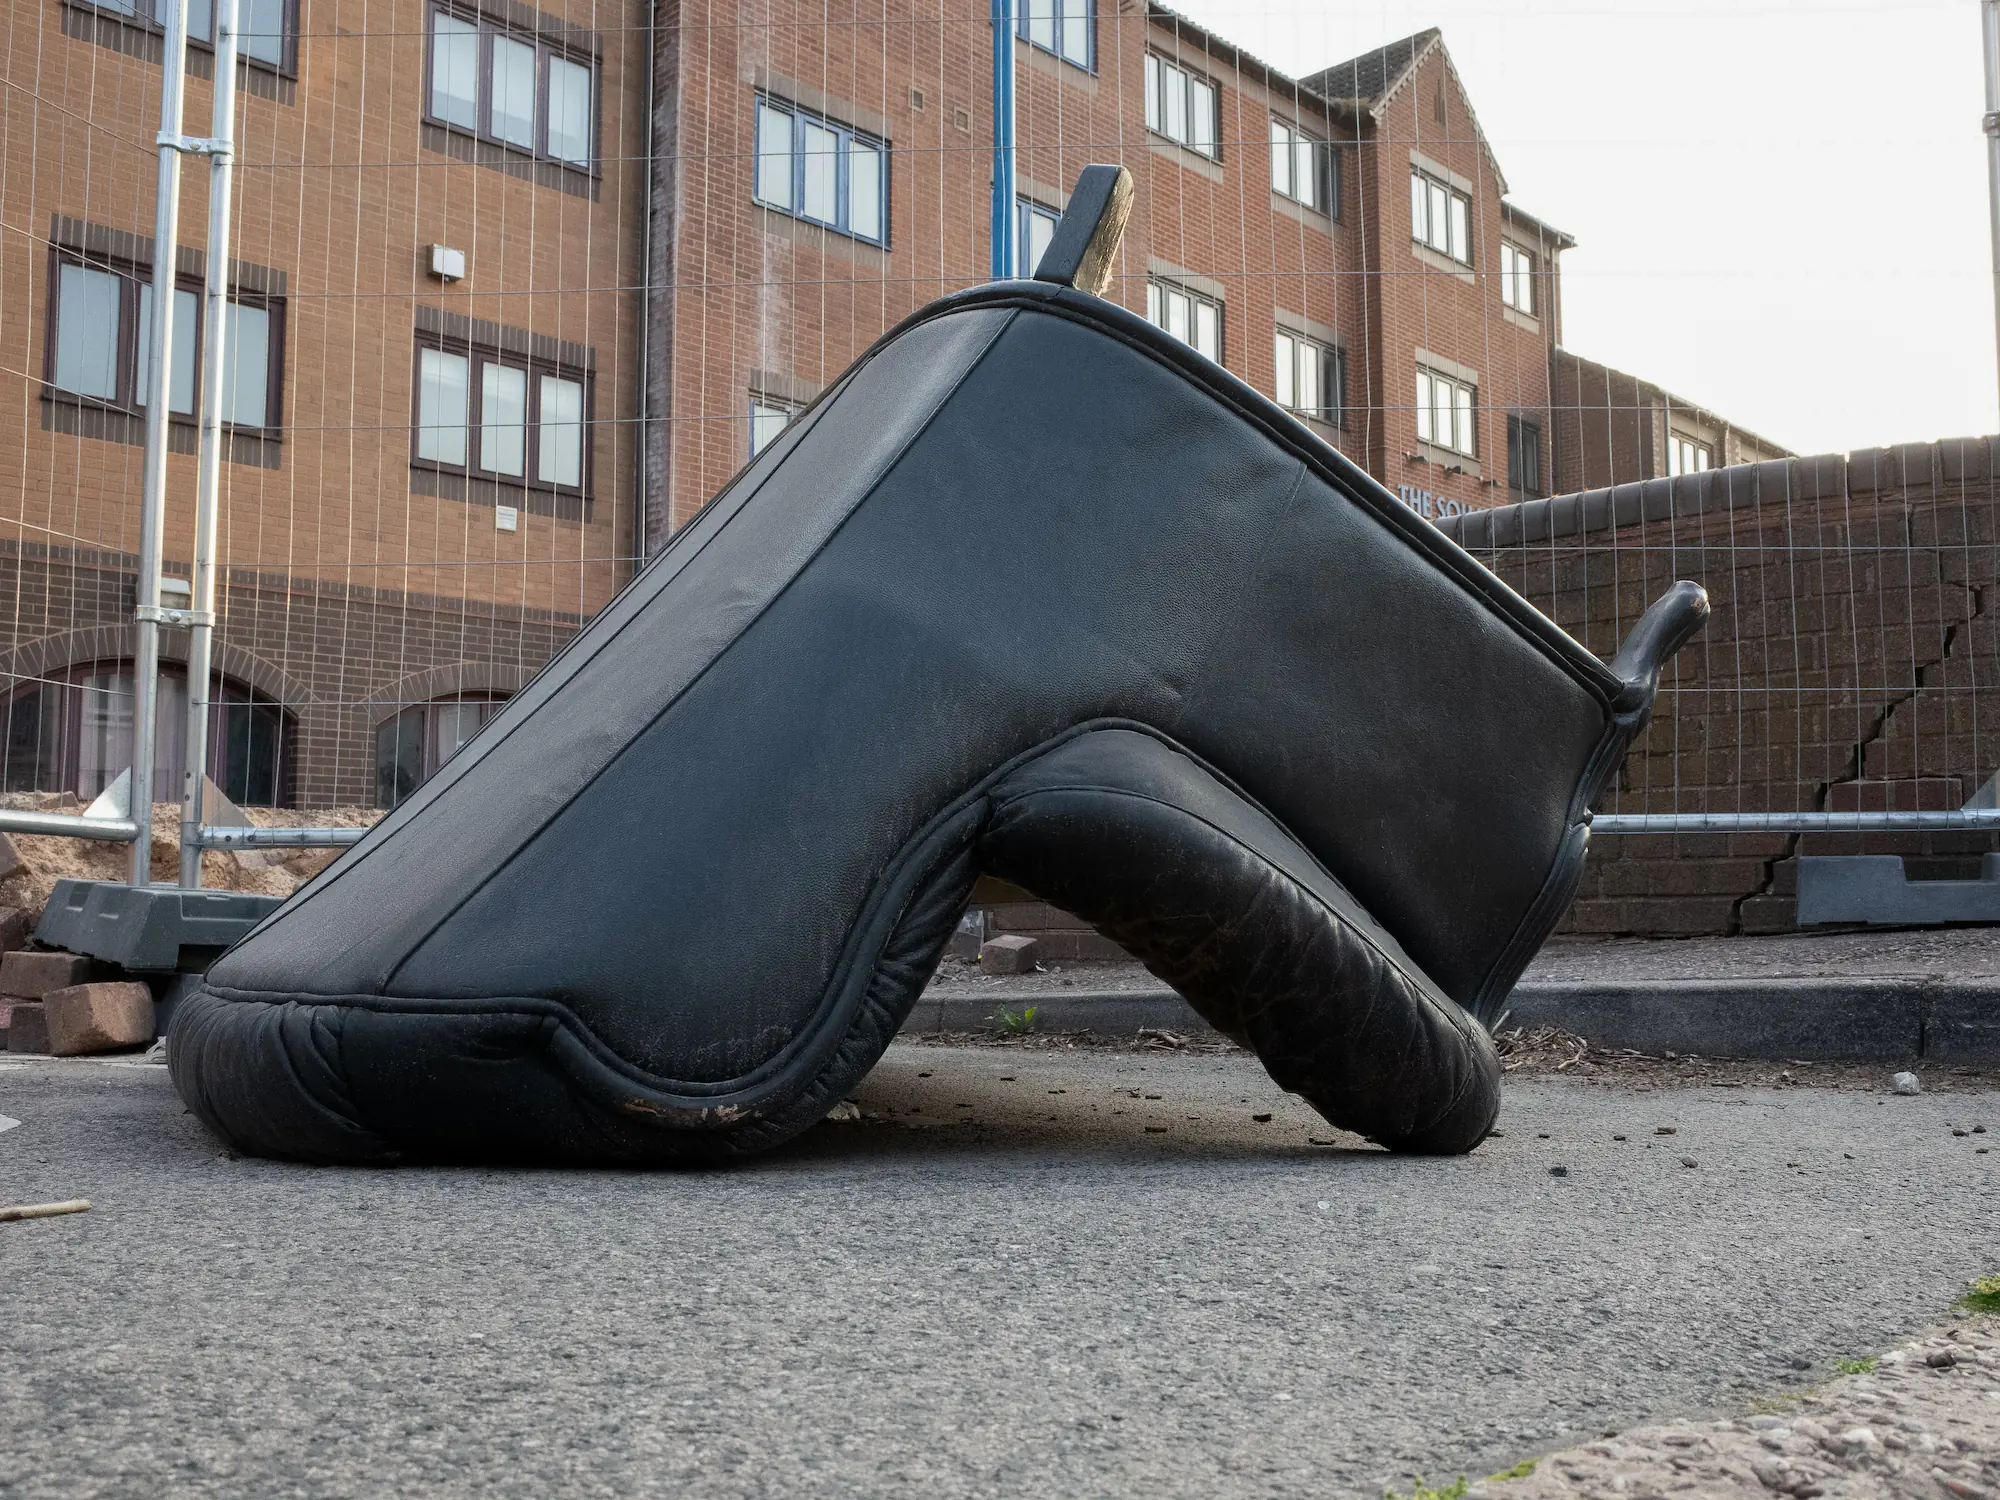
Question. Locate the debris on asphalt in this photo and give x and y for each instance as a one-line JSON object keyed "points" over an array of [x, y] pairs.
{"points": [[44, 1210], [1906, 1083], [8, 1122], [1923, 1419], [843, 1113]]}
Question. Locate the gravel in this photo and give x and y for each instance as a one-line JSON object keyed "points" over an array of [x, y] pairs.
{"points": [[1924, 1421]]}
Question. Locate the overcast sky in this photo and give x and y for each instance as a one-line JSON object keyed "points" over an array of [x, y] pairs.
{"points": [[1780, 208]]}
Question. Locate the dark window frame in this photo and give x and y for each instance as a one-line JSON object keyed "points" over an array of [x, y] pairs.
{"points": [[1326, 168], [1090, 7], [425, 716], [1524, 456], [141, 16], [1193, 74], [476, 354], [545, 47], [131, 277], [848, 134]]}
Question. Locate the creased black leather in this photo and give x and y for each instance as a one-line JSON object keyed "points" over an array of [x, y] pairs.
{"points": [[675, 899], [1220, 902]]}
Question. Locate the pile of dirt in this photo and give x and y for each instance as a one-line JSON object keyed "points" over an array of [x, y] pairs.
{"points": [[269, 872]]}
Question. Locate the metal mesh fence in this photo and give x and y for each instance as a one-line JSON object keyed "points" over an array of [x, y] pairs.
{"points": [[514, 288]]}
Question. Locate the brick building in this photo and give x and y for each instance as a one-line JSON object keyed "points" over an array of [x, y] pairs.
{"points": [[430, 483], [1342, 241], [515, 290]]}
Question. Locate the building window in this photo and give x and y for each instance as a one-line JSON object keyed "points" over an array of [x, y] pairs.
{"points": [[1524, 456], [72, 732], [410, 747], [1064, 27], [514, 88], [768, 418], [822, 172], [493, 414], [1440, 217], [1447, 412], [100, 343], [1311, 378], [1181, 105], [1686, 455], [1517, 278], [1302, 168], [267, 34], [1190, 317], [1034, 227]]}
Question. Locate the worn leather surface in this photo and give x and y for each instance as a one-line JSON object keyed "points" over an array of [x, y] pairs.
{"points": [[676, 897]]}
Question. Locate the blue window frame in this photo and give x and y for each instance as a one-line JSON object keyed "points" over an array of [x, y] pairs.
{"points": [[821, 171], [1034, 227], [1068, 28]]}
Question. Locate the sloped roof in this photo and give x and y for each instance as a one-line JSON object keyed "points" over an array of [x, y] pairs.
{"points": [[1376, 74]]}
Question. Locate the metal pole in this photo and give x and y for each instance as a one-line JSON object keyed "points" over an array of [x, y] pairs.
{"points": [[1990, 16], [153, 495], [1003, 140], [215, 317], [1963, 820]]}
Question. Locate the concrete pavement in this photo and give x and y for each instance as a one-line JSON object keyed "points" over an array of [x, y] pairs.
{"points": [[1019, 1273]]}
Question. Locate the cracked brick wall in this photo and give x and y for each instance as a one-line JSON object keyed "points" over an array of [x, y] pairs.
{"points": [[1852, 661]]}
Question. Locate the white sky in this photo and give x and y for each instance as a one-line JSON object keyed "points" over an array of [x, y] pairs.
{"points": [[1780, 208]]}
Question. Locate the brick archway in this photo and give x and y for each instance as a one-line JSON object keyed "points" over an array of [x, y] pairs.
{"points": [[52, 653]]}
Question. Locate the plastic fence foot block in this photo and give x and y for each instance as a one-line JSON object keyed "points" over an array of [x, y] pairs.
{"points": [[99, 1017]]}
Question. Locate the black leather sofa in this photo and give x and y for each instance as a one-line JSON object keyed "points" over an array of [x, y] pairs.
{"points": [[1034, 590]]}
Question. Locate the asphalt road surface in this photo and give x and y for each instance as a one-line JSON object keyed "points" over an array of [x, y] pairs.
{"points": [[1019, 1273]]}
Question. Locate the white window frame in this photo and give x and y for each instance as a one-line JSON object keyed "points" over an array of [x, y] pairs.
{"points": [[1199, 316], [769, 417], [1440, 217], [1447, 409], [1184, 106], [1687, 454], [1517, 278]]}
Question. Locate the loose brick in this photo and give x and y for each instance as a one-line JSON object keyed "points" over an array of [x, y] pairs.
{"points": [[1009, 954], [30, 976], [28, 1027], [16, 927], [98, 1017], [11, 862]]}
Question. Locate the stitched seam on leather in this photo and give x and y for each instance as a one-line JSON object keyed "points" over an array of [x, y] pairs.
{"points": [[689, 686], [1419, 986], [392, 827], [1560, 648]]}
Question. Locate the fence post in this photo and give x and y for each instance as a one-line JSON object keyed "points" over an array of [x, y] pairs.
{"points": [[153, 496], [220, 149], [1990, 18]]}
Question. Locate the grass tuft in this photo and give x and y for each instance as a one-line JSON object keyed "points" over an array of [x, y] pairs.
{"points": [[1520, 1470], [1015, 1023], [1863, 1366], [1982, 1296], [1453, 1491]]}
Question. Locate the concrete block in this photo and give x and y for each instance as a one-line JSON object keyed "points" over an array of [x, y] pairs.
{"points": [[99, 1017], [16, 927], [1009, 954], [29, 976], [27, 1027]]}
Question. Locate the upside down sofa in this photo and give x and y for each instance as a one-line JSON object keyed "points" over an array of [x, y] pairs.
{"points": [[1033, 590]]}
